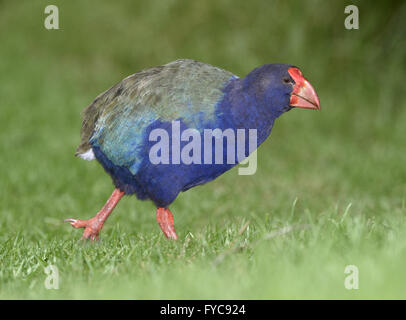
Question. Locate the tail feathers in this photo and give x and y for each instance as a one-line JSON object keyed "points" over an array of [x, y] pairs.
{"points": [[88, 155]]}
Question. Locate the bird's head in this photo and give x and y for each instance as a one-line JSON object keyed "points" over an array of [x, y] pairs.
{"points": [[279, 88]]}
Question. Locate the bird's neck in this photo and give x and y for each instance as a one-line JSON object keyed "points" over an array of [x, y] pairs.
{"points": [[241, 108]]}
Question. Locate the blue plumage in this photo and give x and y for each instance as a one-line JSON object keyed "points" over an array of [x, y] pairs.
{"points": [[120, 140], [118, 126]]}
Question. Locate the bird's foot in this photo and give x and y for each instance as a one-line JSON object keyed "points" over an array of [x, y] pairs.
{"points": [[92, 227], [165, 220]]}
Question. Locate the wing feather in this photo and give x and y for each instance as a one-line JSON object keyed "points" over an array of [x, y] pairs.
{"points": [[117, 119]]}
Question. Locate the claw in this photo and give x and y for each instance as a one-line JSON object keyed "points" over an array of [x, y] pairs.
{"points": [[76, 223], [70, 220]]}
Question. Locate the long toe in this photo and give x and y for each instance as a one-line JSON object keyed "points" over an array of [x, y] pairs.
{"points": [[92, 227]]}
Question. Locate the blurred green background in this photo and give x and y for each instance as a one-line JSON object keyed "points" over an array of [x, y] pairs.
{"points": [[330, 189]]}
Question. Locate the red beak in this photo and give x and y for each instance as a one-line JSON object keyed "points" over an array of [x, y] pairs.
{"points": [[303, 94]]}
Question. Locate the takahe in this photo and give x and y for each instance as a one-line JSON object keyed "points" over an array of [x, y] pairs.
{"points": [[125, 129]]}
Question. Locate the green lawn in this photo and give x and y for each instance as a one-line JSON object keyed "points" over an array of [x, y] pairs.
{"points": [[330, 189]]}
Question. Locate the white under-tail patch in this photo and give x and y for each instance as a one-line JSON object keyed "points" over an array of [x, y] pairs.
{"points": [[88, 155]]}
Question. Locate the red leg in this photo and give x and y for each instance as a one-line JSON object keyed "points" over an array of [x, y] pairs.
{"points": [[165, 220], [95, 224]]}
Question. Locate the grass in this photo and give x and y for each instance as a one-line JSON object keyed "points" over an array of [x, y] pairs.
{"points": [[330, 189]]}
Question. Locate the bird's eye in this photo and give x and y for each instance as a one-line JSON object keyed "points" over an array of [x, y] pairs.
{"points": [[286, 80]]}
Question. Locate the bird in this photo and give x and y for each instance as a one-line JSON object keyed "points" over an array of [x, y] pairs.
{"points": [[124, 125]]}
